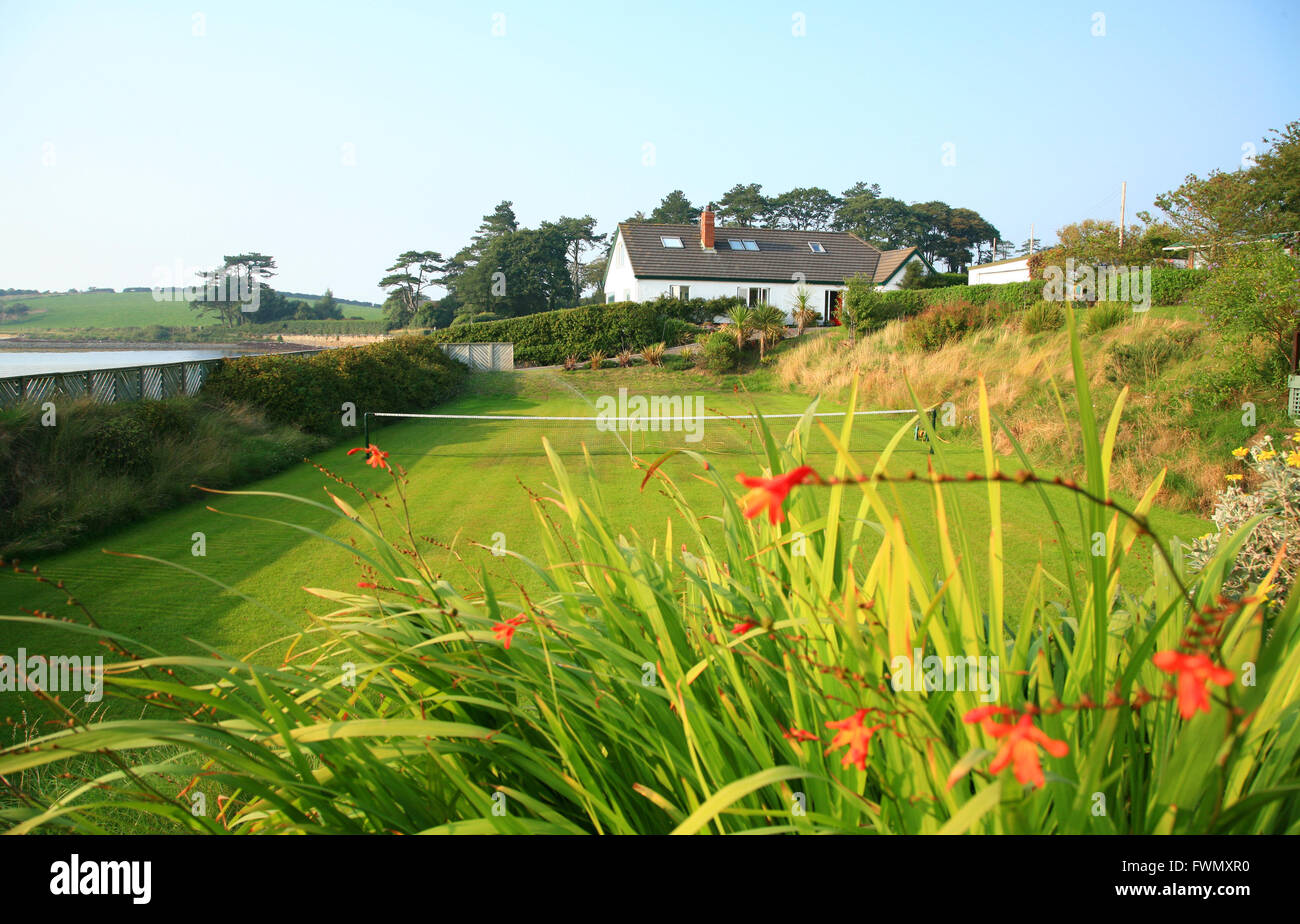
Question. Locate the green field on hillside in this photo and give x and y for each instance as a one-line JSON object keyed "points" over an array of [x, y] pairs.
{"points": [[118, 309], [469, 485]]}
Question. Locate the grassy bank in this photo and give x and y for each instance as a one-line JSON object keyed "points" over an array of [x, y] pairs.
{"points": [[1185, 405], [73, 471]]}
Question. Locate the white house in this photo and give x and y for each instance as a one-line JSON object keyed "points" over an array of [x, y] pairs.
{"points": [[764, 266], [1000, 271]]}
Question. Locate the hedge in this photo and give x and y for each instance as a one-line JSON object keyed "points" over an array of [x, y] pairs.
{"points": [[1171, 285], [402, 374], [548, 337]]}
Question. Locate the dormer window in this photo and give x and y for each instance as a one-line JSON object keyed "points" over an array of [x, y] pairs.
{"points": [[816, 247], [671, 242]]}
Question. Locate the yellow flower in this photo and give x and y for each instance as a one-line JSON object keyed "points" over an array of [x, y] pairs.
{"points": [[1240, 452], [1232, 477], [1293, 460], [1267, 454]]}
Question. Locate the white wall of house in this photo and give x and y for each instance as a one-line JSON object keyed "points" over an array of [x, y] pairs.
{"points": [[896, 281], [620, 284], [998, 273], [780, 294]]}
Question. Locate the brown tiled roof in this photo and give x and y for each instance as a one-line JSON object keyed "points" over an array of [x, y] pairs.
{"points": [[890, 261], [780, 254]]}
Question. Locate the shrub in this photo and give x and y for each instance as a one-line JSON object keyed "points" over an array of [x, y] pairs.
{"points": [[1105, 315], [678, 332], [405, 373], [1043, 316], [940, 324], [1271, 493], [624, 358], [597, 359], [1142, 361], [107, 465], [1171, 285], [570, 363], [720, 353], [694, 310], [549, 336]]}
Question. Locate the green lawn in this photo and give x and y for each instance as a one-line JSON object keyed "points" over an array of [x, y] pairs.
{"points": [[467, 483], [119, 309]]}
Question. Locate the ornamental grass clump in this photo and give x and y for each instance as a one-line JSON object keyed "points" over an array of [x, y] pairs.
{"points": [[770, 662]]}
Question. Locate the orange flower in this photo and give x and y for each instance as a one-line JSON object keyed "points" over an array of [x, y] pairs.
{"points": [[505, 631], [798, 734], [856, 736], [741, 628], [1021, 746], [771, 493], [1193, 672], [374, 455]]}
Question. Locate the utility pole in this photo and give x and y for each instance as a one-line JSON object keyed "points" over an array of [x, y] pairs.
{"points": [[1031, 238], [1123, 194]]}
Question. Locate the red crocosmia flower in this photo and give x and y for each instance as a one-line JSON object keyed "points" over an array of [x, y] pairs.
{"points": [[798, 734], [1193, 672], [741, 628], [1021, 747], [770, 493], [856, 735], [367, 585], [505, 631], [374, 455]]}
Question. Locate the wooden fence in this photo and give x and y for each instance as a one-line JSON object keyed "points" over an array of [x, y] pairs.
{"points": [[133, 383]]}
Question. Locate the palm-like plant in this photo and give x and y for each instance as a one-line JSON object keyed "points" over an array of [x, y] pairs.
{"points": [[742, 324], [804, 313], [769, 324]]}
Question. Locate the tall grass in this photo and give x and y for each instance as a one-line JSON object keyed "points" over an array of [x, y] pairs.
{"points": [[729, 674], [100, 466]]}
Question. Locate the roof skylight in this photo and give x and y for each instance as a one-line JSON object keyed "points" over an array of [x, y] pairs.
{"points": [[816, 247], [671, 241], [751, 245]]}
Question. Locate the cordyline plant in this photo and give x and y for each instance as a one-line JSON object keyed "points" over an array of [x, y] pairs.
{"points": [[742, 676]]}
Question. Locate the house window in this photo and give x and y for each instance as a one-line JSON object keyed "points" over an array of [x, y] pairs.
{"points": [[671, 241], [681, 293], [756, 296], [751, 245], [736, 245], [816, 247]]}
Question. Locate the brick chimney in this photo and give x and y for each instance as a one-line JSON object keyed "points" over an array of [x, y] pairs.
{"points": [[706, 227]]}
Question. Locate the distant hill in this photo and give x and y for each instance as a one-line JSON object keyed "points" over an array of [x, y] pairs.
{"points": [[135, 308]]}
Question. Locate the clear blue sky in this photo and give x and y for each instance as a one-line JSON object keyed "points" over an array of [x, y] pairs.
{"points": [[130, 143]]}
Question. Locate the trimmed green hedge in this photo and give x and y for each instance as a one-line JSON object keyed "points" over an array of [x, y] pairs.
{"points": [[1171, 285], [546, 338], [402, 374]]}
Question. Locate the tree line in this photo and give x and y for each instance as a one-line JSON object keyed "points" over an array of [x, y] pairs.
{"points": [[228, 289]]}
